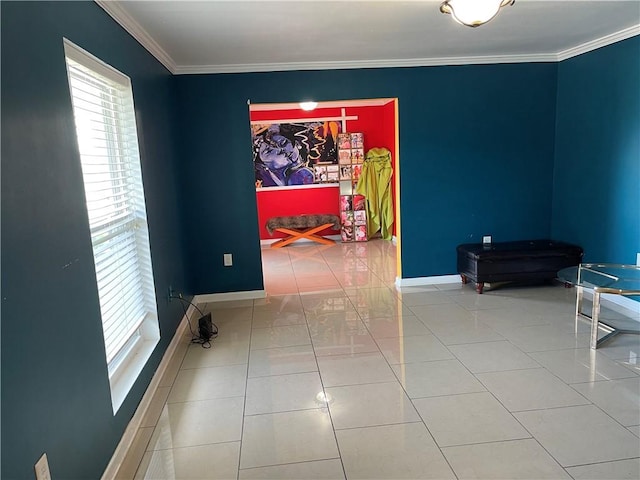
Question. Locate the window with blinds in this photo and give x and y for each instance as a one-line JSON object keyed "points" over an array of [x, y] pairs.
{"points": [[103, 108]]}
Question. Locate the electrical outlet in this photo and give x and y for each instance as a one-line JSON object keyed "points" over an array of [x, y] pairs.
{"points": [[486, 239], [638, 259], [42, 468], [228, 260], [171, 293]]}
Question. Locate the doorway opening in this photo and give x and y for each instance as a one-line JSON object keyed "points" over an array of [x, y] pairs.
{"points": [[294, 176]]}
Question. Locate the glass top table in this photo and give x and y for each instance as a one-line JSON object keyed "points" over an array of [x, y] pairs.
{"points": [[602, 278]]}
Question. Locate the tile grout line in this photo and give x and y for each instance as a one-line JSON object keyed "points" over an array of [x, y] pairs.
{"points": [[352, 300], [333, 428], [246, 386]]}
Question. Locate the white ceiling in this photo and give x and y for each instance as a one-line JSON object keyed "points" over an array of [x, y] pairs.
{"points": [[265, 35]]}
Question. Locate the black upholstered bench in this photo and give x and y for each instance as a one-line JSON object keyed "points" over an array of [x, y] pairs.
{"points": [[522, 261]]}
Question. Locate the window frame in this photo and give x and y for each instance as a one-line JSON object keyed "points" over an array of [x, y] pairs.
{"points": [[127, 358]]}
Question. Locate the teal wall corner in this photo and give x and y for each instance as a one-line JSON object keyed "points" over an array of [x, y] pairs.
{"points": [[596, 190]]}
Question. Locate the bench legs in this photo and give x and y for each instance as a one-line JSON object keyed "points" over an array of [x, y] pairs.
{"points": [[479, 286], [299, 234]]}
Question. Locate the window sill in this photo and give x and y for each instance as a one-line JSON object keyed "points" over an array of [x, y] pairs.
{"points": [[128, 372]]}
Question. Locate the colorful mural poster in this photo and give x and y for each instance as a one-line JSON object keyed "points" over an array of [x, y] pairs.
{"points": [[288, 153]]}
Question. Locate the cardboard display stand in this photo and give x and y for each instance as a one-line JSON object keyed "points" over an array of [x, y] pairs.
{"points": [[353, 218]]}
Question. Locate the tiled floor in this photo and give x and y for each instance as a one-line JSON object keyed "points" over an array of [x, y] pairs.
{"points": [[338, 375]]}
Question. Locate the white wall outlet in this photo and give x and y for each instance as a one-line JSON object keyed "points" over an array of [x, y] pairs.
{"points": [[486, 239], [228, 260], [638, 259], [42, 468]]}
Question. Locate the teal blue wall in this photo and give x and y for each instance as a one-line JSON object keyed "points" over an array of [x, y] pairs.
{"points": [[55, 389], [476, 157], [217, 176], [596, 191]]}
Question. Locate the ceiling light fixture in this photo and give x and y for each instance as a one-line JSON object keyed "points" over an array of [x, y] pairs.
{"points": [[473, 13], [308, 106]]}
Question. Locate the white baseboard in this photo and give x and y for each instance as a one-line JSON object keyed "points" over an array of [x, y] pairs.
{"points": [[129, 434], [619, 303], [434, 280], [119, 455], [223, 297]]}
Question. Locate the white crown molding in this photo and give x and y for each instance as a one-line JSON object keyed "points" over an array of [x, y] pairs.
{"points": [[140, 34], [136, 31], [598, 43], [358, 64], [415, 62]]}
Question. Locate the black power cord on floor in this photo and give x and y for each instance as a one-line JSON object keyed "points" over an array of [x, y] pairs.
{"points": [[207, 329]]}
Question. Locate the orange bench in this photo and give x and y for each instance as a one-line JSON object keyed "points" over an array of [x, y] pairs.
{"points": [[299, 227]]}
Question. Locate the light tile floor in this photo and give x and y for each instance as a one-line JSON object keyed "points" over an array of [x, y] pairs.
{"points": [[336, 375]]}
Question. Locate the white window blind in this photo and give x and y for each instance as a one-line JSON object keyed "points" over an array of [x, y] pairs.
{"points": [[106, 129]]}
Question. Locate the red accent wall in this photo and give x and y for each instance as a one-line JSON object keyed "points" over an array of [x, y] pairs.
{"points": [[378, 125], [298, 201]]}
